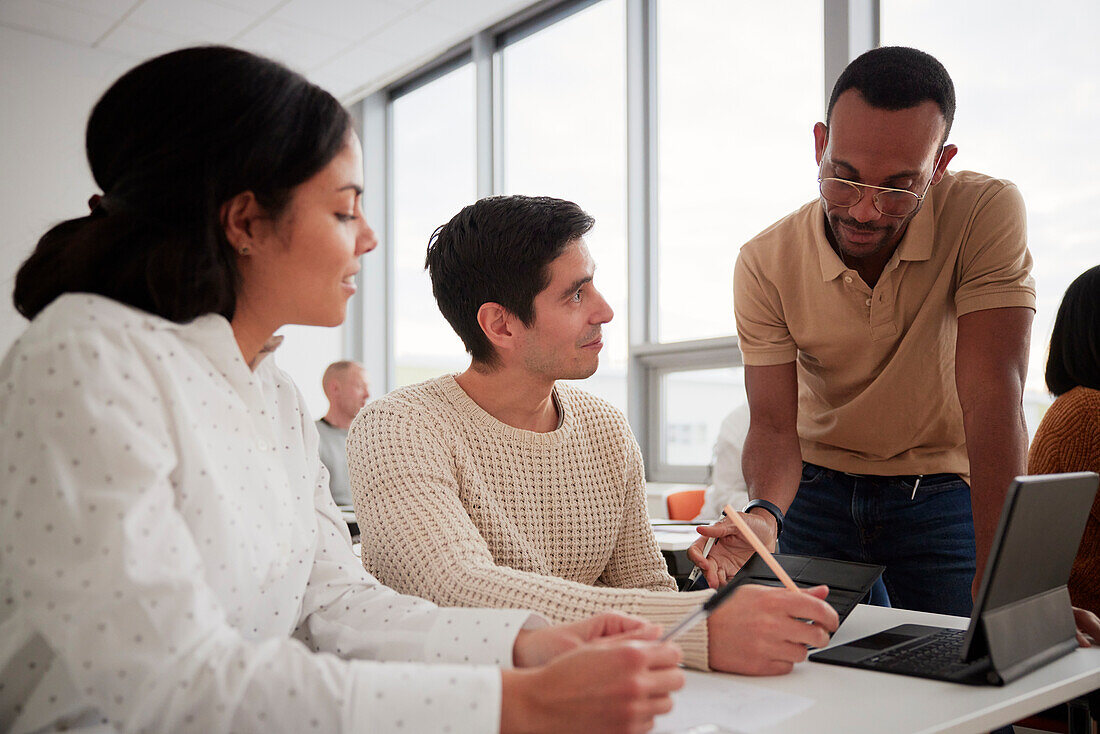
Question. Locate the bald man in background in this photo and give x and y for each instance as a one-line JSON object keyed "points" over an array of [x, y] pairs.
{"points": [[345, 385]]}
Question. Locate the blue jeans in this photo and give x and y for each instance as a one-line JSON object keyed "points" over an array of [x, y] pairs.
{"points": [[925, 541]]}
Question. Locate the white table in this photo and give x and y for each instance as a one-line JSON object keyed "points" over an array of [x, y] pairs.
{"points": [[674, 536], [852, 701]]}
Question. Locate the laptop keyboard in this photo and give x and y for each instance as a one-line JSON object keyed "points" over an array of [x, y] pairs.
{"points": [[936, 654]]}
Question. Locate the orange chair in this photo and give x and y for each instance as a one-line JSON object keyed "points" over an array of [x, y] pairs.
{"points": [[684, 505]]}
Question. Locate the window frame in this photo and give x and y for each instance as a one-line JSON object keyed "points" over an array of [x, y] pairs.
{"points": [[850, 27]]}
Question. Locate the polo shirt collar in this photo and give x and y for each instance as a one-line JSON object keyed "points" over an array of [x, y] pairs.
{"points": [[916, 243], [831, 265]]}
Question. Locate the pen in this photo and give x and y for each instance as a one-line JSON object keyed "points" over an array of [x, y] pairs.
{"points": [[701, 613], [706, 551]]}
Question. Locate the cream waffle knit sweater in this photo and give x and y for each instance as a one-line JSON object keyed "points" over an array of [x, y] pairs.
{"points": [[461, 509]]}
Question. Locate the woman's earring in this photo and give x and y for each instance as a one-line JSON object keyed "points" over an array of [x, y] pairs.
{"points": [[243, 250]]}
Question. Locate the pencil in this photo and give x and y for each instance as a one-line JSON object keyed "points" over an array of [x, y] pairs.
{"points": [[761, 550]]}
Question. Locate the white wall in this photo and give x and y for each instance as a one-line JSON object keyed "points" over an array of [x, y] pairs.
{"points": [[47, 89]]}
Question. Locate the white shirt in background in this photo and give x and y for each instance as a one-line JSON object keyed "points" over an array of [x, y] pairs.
{"points": [[727, 482], [170, 556]]}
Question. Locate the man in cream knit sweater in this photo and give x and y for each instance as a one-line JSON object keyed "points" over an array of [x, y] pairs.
{"points": [[500, 487]]}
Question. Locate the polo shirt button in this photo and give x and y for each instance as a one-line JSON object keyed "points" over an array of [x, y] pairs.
{"points": [[847, 279], [868, 301], [262, 445]]}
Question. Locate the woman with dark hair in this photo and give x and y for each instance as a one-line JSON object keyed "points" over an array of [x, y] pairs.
{"points": [[171, 557], [1068, 438]]}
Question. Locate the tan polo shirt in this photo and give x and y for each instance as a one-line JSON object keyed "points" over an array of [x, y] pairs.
{"points": [[876, 367]]}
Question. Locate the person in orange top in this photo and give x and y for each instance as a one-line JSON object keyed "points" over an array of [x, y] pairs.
{"points": [[1068, 438]]}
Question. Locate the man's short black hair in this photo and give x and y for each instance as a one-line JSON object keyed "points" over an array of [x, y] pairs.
{"points": [[897, 78], [498, 250], [1074, 358]]}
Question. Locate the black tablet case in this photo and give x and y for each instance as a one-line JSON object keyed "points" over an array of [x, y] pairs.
{"points": [[848, 582]]}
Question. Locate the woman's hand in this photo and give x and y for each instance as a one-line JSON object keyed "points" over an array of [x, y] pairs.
{"points": [[537, 647], [610, 685], [1088, 626]]}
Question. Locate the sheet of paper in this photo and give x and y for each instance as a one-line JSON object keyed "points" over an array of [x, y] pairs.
{"points": [[675, 537], [673, 541], [677, 529], [724, 701]]}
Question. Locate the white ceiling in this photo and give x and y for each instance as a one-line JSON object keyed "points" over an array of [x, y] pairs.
{"points": [[350, 47]]}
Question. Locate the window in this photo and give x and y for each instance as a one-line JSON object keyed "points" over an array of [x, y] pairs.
{"points": [[304, 354], [434, 176], [739, 90], [1033, 126], [564, 135], [694, 403], [717, 106]]}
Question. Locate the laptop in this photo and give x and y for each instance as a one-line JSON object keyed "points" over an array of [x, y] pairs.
{"points": [[1022, 617]]}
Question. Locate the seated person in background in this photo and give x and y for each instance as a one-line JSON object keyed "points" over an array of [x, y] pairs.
{"points": [[727, 481], [172, 559], [1068, 438], [345, 385], [503, 487]]}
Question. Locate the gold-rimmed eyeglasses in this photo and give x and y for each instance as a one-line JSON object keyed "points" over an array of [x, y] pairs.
{"points": [[891, 202]]}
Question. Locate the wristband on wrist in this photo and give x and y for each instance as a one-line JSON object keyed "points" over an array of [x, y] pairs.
{"points": [[772, 508]]}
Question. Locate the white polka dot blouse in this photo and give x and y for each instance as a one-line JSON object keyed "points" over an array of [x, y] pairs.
{"points": [[171, 559]]}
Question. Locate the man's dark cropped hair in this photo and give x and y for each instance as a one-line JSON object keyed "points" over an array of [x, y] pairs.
{"points": [[897, 78], [498, 250], [1074, 359]]}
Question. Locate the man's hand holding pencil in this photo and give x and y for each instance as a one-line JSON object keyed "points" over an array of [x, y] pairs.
{"points": [[761, 630], [724, 549]]}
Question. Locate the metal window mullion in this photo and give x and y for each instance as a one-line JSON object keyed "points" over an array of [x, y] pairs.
{"points": [[378, 271], [863, 26], [388, 288], [499, 122], [642, 403], [352, 335], [851, 27], [375, 308], [482, 46], [835, 44], [652, 161]]}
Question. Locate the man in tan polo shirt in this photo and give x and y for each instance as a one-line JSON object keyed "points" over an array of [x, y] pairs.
{"points": [[885, 332]]}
